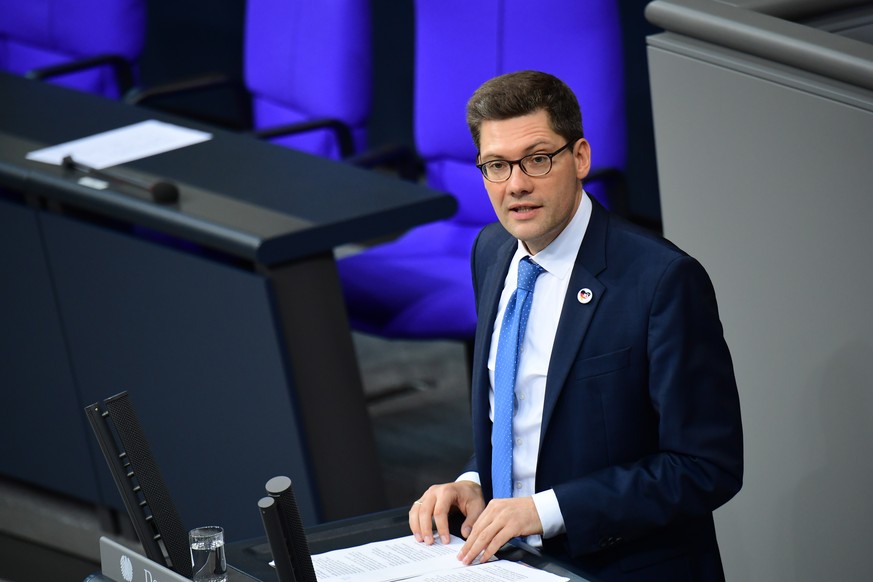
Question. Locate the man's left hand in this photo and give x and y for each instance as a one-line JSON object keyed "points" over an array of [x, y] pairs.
{"points": [[502, 520]]}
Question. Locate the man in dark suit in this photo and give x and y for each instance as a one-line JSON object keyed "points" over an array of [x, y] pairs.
{"points": [[625, 422]]}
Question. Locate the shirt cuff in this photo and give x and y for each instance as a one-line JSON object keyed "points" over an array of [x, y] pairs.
{"points": [[549, 511], [470, 476]]}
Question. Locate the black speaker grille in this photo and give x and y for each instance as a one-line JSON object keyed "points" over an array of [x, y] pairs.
{"points": [[154, 490], [281, 489]]}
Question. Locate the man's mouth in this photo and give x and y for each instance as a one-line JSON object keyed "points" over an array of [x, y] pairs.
{"points": [[523, 210]]}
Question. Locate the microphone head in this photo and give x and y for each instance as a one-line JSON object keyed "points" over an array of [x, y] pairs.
{"points": [[278, 485], [164, 192]]}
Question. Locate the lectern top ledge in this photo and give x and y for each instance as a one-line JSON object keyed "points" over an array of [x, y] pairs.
{"points": [[233, 193]]}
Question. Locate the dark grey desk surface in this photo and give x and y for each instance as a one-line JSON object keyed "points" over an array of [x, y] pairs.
{"points": [[240, 195], [252, 557]]}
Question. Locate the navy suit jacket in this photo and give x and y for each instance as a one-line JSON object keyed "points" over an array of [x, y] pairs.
{"points": [[641, 433]]}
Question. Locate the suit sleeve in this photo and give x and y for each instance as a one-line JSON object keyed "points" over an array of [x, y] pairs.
{"points": [[472, 465], [697, 465]]}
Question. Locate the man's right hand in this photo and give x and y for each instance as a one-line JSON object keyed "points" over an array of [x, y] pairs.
{"points": [[436, 503]]}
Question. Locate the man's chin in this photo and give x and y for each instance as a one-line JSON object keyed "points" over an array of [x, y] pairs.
{"points": [[523, 232]]}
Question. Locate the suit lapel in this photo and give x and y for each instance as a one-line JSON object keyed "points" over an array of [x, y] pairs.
{"points": [[575, 315], [489, 295], [490, 289]]}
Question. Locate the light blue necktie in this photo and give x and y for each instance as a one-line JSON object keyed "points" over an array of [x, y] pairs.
{"points": [[505, 370]]}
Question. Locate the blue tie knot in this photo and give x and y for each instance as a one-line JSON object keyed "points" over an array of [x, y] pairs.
{"points": [[528, 271]]}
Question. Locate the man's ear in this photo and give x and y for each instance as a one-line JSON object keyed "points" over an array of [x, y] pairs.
{"points": [[582, 157]]}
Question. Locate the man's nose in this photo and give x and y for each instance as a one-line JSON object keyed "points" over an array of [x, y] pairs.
{"points": [[519, 183]]}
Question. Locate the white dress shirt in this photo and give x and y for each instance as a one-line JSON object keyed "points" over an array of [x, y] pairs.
{"points": [[557, 259]]}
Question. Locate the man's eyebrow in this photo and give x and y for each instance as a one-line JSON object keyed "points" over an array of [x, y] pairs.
{"points": [[526, 152]]}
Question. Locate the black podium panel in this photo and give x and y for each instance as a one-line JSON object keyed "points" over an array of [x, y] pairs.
{"points": [[37, 386], [194, 342]]}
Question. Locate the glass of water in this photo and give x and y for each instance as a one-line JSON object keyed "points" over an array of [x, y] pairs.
{"points": [[207, 554]]}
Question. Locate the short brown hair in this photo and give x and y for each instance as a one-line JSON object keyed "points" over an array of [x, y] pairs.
{"points": [[522, 93]]}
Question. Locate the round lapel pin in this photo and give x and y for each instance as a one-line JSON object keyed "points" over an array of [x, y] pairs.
{"points": [[585, 296]]}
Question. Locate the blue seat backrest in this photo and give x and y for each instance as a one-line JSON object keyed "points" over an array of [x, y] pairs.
{"points": [[39, 33], [419, 285], [306, 60], [461, 44]]}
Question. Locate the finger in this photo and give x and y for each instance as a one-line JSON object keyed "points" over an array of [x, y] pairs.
{"points": [[477, 540], [497, 542], [466, 528], [466, 549], [425, 517], [474, 510], [414, 525], [474, 546], [441, 517], [487, 543]]}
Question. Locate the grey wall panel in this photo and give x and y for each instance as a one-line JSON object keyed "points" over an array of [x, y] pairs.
{"points": [[765, 176], [196, 345], [36, 384]]}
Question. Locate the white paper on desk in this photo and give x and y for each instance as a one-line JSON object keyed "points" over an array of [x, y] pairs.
{"points": [[125, 144], [395, 559], [499, 571]]}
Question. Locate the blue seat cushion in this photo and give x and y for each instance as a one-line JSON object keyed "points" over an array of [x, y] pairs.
{"points": [[417, 286]]}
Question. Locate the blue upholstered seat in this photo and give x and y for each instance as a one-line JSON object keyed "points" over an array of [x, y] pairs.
{"points": [[306, 76], [419, 286], [309, 61], [40, 34]]}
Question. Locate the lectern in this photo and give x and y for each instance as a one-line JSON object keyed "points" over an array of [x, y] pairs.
{"points": [[221, 314]]}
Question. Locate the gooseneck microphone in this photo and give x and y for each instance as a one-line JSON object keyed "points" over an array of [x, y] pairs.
{"points": [[276, 539], [296, 544], [161, 191]]}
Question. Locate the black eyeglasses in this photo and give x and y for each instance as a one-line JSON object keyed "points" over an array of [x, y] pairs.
{"points": [[532, 165]]}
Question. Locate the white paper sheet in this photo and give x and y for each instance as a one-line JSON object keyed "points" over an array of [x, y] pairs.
{"points": [[499, 571], [405, 559], [121, 145], [395, 559]]}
